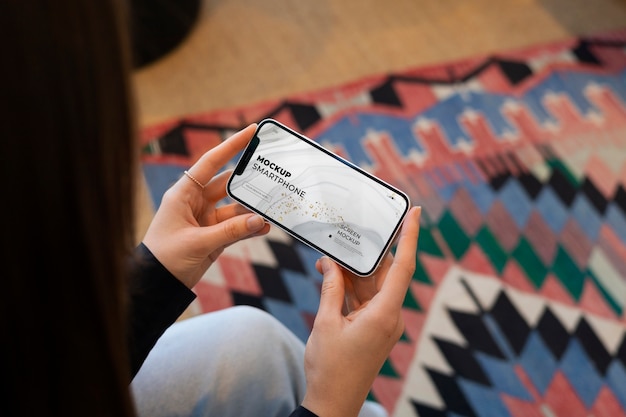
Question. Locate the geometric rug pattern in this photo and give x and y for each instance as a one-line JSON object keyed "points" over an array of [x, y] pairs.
{"points": [[490, 350], [518, 160]]}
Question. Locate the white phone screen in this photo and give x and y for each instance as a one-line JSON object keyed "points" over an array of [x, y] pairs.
{"points": [[318, 197]]}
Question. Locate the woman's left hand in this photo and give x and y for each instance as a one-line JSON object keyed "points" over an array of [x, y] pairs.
{"points": [[188, 231]]}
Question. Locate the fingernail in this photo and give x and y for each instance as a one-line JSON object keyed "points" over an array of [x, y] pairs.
{"points": [[255, 222]]}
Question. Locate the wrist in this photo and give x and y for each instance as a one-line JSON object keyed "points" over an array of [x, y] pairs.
{"points": [[331, 406], [303, 412]]}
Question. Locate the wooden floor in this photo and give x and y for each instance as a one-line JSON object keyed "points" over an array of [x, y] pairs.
{"points": [[246, 51]]}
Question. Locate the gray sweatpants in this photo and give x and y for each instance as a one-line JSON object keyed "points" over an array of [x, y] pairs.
{"points": [[238, 362]]}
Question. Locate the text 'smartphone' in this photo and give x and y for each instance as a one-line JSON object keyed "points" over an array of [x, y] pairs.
{"points": [[318, 197]]}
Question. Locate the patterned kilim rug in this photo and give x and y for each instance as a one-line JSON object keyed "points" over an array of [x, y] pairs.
{"points": [[519, 162]]}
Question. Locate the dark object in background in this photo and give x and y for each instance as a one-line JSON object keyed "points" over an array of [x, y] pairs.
{"points": [[159, 26]]}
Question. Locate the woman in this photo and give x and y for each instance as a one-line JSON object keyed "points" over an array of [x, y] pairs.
{"points": [[78, 323]]}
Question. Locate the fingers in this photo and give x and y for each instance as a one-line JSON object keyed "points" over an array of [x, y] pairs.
{"points": [[235, 209], [228, 211], [231, 230], [333, 290], [215, 190], [362, 289], [401, 270], [212, 161], [351, 299]]}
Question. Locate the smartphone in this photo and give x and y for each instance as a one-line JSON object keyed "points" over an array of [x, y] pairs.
{"points": [[318, 197]]}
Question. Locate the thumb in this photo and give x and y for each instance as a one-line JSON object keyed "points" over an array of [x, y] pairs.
{"points": [[232, 230], [333, 288]]}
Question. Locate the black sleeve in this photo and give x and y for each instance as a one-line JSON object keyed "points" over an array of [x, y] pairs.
{"points": [[302, 412], [157, 299]]}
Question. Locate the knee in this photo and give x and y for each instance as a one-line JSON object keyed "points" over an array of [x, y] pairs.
{"points": [[266, 338], [252, 317], [260, 326]]}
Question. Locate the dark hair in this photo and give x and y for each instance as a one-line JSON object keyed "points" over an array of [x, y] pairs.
{"points": [[68, 176]]}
